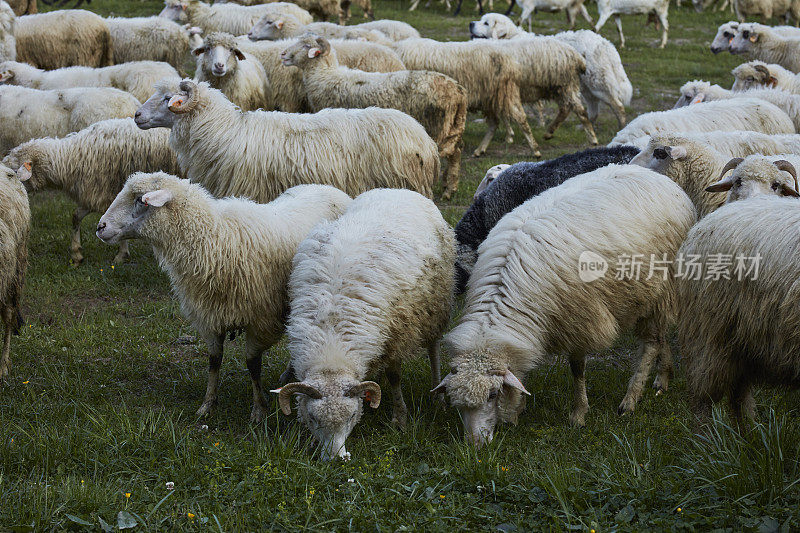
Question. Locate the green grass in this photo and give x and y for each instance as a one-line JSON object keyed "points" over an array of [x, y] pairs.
{"points": [[97, 415]]}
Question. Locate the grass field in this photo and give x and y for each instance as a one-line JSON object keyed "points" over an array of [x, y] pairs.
{"points": [[98, 414]]}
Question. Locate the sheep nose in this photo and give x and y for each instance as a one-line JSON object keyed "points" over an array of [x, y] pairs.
{"points": [[101, 226], [137, 114], [218, 66]]}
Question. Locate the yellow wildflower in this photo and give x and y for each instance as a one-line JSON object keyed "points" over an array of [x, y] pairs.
{"points": [[190, 516], [127, 494]]}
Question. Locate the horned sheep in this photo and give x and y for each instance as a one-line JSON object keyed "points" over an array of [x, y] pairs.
{"points": [[228, 18], [763, 43], [436, 101], [756, 175], [91, 167], [757, 74], [260, 154], [366, 291], [528, 297], [228, 260]]}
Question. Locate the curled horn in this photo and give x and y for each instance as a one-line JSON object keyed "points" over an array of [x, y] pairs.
{"points": [[324, 45], [286, 392], [784, 165], [192, 97], [761, 69], [372, 388], [733, 163]]}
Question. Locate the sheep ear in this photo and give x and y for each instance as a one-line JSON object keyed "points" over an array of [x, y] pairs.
{"points": [[698, 98], [788, 191], [176, 102], [772, 82], [314, 52], [238, 53], [6, 75], [25, 172], [157, 198], [753, 37], [441, 387], [677, 152], [200, 51], [720, 186], [279, 24], [512, 381]]}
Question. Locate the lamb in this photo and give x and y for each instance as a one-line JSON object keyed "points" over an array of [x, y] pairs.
{"points": [[261, 154], [64, 38], [728, 31], [604, 79], [15, 221], [537, 288], [652, 8], [761, 42], [516, 185], [8, 44], [91, 167], [757, 74], [228, 18], [152, 39], [757, 175], [29, 113], [239, 76], [766, 8], [749, 114], [736, 333], [367, 291], [228, 260], [136, 78], [395, 30], [436, 101], [489, 73], [276, 27]]}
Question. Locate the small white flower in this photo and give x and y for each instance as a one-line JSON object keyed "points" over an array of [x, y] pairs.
{"points": [[204, 428], [351, 480], [170, 485]]}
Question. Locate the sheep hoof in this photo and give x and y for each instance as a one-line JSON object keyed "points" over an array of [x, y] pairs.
{"points": [[626, 407], [258, 414], [399, 421], [661, 384], [477, 153], [537, 154], [547, 136], [121, 259], [577, 420], [76, 260], [5, 370], [206, 408]]}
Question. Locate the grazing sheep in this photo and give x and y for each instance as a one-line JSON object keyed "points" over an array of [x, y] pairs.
{"points": [[438, 102], [136, 78], [321, 9], [749, 114], [24, 7], [489, 178], [516, 185], [275, 28], [488, 71], [767, 9], [27, 114], [763, 43], [228, 260], [529, 294], [8, 44], [152, 39], [240, 76], [728, 31], [64, 38], [260, 154], [755, 175], [572, 8], [366, 291], [228, 18], [604, 79], [91, 167], [739, 332], [757, 74], [395, 30], [15, 221], [654, 9]]}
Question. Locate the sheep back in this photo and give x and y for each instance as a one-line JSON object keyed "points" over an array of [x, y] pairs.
{"points": [[63, 39]]}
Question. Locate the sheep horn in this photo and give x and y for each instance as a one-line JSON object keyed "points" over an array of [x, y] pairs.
{"points": [[371, 389], [733, 163], [786, 166], [286, 392], [761, 69], [192, 97]]}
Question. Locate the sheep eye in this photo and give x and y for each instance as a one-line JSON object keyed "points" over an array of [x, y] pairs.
{"points": [[746, 34], [138, 201], [493, 395], [738, 182], [775, 185], [728, 34]]}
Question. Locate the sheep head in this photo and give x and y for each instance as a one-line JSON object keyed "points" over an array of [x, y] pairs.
{"points": [[489, 178], [309, 49], [662, 151], [692, 92], [176, 11], [753, 74], [746, 38], [273, 28], [756, 175], [725, 34], [6, 74], [27, 162], [219, 55]]}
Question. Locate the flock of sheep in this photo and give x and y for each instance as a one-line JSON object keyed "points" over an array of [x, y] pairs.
{"points": [[287, 189]]}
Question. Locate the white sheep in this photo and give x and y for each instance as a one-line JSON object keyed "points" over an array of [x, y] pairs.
{"points": [[395, 30], [240, 76], [228, 18], [757, 74], [64, 38], [763, 43], [137, 78], [437, 101], [756, 175], [15, 221], [573, 8], [726, 33], [541, 286], [604, 80], [30, 113], [260, 154], [91, 167], [152, 39], [750, 114], [277, 27], [767, 9], [321, 9], [8, 44], [367, 291], [654, 9], [228, 260]]}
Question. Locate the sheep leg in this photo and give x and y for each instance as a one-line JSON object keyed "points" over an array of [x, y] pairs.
{"points": [[577, 107], [254, 351], [415, 4], [601, 20], [740, 401], [648, 352], [619, 111], [400, 411], [510, 7], [519, 116], [5, 361], [563, 111], [491, 126], [618, 21], [75, 245], [570, 18], [664, 28], [344, 12], [453, 171], [509, 131], [123, 254], [661, 383], [580, 403], [586, 14], [215, 346], [436, 364]]}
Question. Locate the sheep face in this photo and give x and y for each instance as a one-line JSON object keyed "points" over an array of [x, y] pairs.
{"points": [[268, 28], [175, 11], [219, 59], [12, 175], [725, 34], [745, 39], [305, 51], [493, 26], [143, 197], [692, 93], [169, 101], [754, 176], [752, 76], [26, 166], [6, 74], [487, 180], [659, 155]]}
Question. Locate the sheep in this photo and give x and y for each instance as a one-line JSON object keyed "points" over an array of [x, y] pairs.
{"points": [[228, 18], [24, 7], [15, 221], [437, 101], [395, 30], [748, 114], [604, 79], [137, 78], [286, 83], [29, 113], [757, 74], [240, 77], [228, 260], [756, 175], [152, 39], [728, 31], [571, 7], [8, 44], [516, 185], [762, 43], [701, 5], [64, 38], [365, 5], [695, 162], [538, 288], [654, 9], [366, 291], [276, 27], [745, 9], [322, 9], [738, 332], [489, 178], [91, 167], [489, 73], [261, 154], [702, 91]]}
